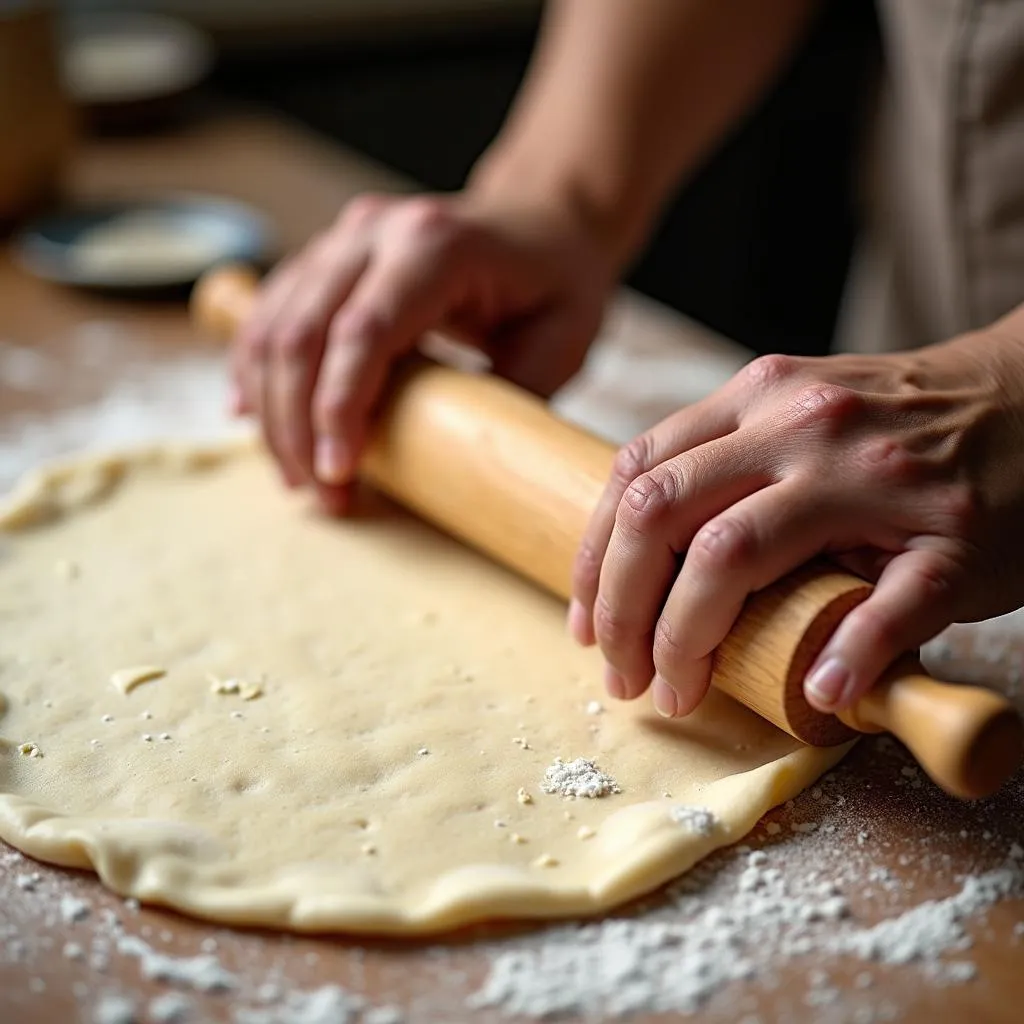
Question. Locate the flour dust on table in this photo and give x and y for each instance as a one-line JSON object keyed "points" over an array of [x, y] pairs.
{"points": [[237, 708]]}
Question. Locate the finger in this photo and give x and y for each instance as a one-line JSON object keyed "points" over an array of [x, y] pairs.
{"points": [[657, 518], [298, 339], [395, 301], [742, 550], [694, 426], [868, 563], [543, 352], [913, 601], [259, 374], [251, 344]]}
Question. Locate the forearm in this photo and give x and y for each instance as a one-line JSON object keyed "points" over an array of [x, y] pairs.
{"points": [[625, 98]]}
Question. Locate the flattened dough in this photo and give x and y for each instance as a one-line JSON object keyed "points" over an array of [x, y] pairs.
{"points": [[410, 688]]}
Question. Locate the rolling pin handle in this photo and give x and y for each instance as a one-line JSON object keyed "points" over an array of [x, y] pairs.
{"points": [[968, 739], [222, 299]]}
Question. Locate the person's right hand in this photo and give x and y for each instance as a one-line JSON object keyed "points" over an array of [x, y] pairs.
{"points": [[527, 283]]}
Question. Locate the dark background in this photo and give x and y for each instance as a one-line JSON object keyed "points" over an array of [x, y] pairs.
{"points": [[756, 246]]}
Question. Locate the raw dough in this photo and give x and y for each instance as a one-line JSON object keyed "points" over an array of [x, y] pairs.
{"points": [[410, 688]]}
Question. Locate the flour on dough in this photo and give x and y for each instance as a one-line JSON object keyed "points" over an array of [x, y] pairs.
{"points": [[362, 790]]}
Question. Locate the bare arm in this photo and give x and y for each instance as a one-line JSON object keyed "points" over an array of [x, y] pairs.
{"points": [[625, 98]]}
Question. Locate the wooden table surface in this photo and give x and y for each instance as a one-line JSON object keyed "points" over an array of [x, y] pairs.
{"points": [[925, 840]]}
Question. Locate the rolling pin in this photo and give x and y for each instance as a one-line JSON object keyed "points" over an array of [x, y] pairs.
{"points": [[490, 464]]}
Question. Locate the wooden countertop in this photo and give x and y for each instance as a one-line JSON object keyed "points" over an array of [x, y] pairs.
{"points": [[922, 839]]}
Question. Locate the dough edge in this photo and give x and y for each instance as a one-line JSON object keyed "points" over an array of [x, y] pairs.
{"points": [[659, 848]]}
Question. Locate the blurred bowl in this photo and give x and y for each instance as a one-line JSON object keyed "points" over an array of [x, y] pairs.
{"points": [[125, 68], [166, 242]]}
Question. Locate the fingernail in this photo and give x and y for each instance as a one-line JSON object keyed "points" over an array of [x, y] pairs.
{"points": [[827, 682], [332, 461], [579, 624], [666, 703], [614, 683]]}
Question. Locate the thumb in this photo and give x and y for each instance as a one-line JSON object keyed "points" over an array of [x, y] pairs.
{"points": [[913, 602], [544, 351]]}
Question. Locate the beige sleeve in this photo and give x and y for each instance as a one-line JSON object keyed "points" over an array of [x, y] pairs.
{"points": [[943, 251]]}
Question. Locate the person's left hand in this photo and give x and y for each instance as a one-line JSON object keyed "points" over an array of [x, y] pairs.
{"points": [[907, 469]]}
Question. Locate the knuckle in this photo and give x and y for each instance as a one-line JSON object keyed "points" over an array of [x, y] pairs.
{"points": [[631, 460], [586, 569], [876, 629], [330, 407], [888, 461], [825, 406], [614, 631], [959, 510], [723, 545], [255, 346], [292, 342], [362, 324], [648, 500], [669, 650], [768, 371], [932, 582], [426, 215], [361, 209]]}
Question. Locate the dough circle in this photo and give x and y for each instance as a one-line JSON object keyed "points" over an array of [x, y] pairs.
{"points": [[402, 690]]}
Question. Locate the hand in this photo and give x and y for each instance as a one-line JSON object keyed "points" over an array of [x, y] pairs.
{"points": [[907, 469], [525, 282]]}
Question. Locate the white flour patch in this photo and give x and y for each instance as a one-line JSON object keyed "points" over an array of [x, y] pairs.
{"points": [[202, 973], [181, 396], [170, 1008], [579, 778], [114, 1009], [934, 927], [73, 909], [27, 369], [675, 963], [328, 1005], [694, 819]]}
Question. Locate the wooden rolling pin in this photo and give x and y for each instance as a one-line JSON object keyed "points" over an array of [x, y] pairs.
{"points": [[491, 465]]}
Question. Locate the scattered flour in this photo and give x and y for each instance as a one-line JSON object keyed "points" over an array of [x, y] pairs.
{"points": [[694, 819], [202, 973], [577, 778], [674, 960], [73, 909], [181, 395], [935, 926], [170, 1008], [328, 1005], [114, 1009]]}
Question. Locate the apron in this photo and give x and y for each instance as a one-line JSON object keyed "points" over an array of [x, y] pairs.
{"points": [[942, 251]]}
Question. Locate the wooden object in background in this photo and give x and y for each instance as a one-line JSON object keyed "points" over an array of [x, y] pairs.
{"points": [[491, 465], [36, 119]]}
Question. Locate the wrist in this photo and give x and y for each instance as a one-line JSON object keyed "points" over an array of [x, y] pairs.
{"points": [[994, 353], [1010, 328], [519, 174]]}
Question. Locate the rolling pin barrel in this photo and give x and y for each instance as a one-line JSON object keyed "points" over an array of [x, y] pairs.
{"points": [[491, 465], [472, 454]]}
